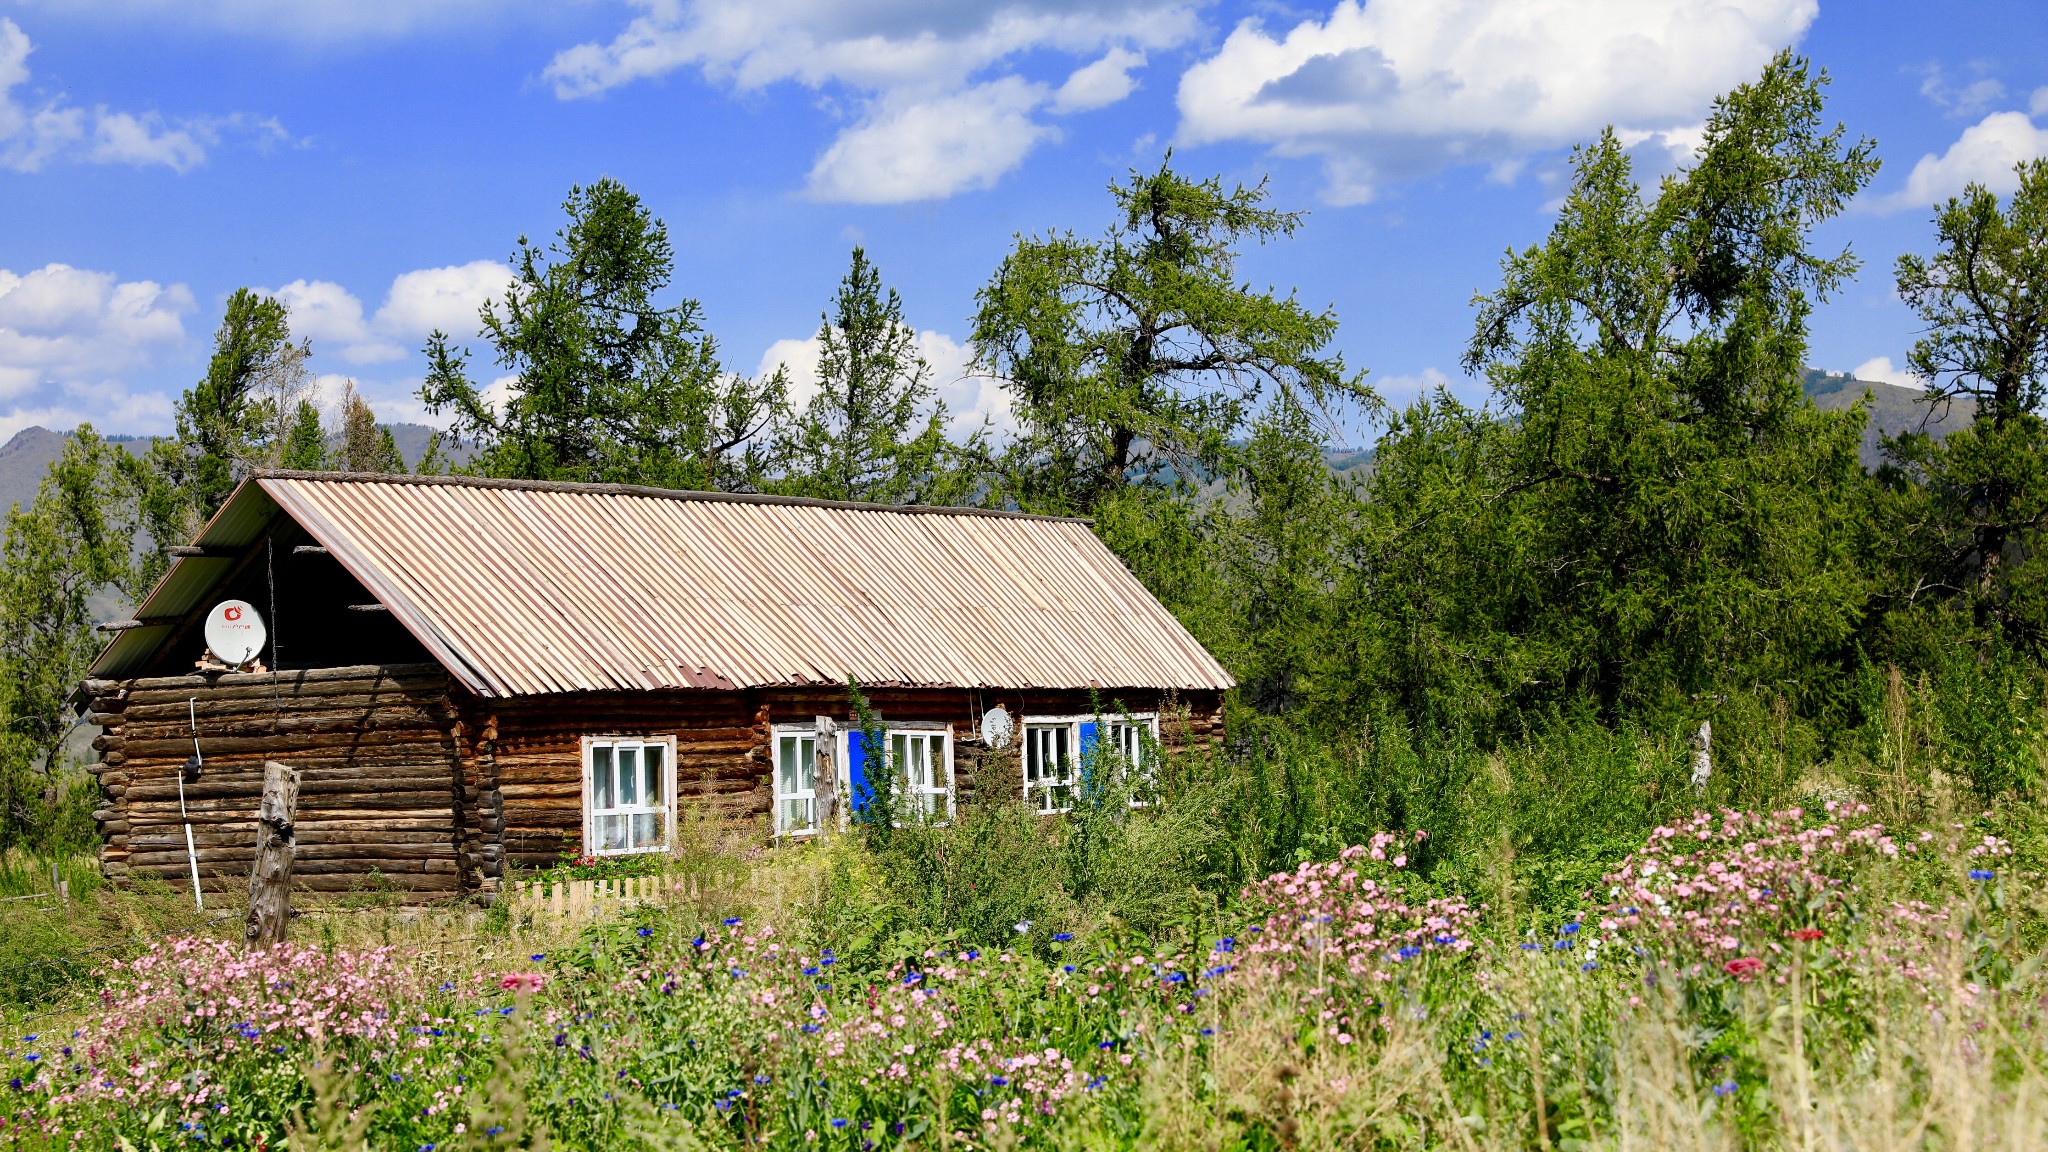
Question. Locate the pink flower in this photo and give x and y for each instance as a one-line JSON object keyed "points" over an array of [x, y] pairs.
{"points": [[522, 981]]}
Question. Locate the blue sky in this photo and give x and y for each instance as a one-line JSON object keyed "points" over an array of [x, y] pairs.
{"points": [[374, 160]]}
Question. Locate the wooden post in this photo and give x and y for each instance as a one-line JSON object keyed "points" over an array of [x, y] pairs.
{"points": [[270, 881], [825, 777]]}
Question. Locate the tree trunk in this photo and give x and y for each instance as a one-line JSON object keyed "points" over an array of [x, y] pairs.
{"points": [[825, 777], [270, 881]]}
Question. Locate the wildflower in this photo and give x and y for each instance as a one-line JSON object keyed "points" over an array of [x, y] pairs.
{"points": [[494, 1130], [1530, 947], [1572, 929], [1208, 1031], [539, 956], [1589, 965], [999, 1081], [732, 922], [912, 978], [1409, 952], [1062, 937], [839, 1122], [1743, 967], [34, 1056], [1023, 926], [645, 932], [1981, 873], [522, 981], [761, 1079], [1095, 1084], [1725, 1088], [1805, 934], [1066, 967]]}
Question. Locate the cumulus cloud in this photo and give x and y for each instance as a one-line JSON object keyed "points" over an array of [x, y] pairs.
{"points": [[1959, 98], [1985, 154], [1386, 89], [934, 79], [68, 336], [1882, 370], [970, 399], [417, 303], [33, 135]]}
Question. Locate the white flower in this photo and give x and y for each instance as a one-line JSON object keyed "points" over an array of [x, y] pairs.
{"points": [[1023, 926]]}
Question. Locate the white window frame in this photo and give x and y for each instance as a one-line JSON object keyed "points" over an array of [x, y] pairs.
{"points": [[666, 808], [1111, 727], [843, 763], [801, 735]]}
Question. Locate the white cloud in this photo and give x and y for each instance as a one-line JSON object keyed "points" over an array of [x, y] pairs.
{"points": [[919, 72], [970, 399], [417, 303], [69, 335], [1100, 84], [1386, 89], [2038, 103], [1882, 370], [31, 137], [446, 299], [1960, 99], [930, 149], [1984, 154]]}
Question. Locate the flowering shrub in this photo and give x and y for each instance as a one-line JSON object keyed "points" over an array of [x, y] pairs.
{"points": [[1743, 881]]}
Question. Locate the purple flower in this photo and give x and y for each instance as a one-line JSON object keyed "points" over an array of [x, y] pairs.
{"points": [[1975, 874]]}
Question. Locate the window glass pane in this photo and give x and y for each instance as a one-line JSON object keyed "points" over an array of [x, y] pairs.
{"points": [[1062, 759], [601, 777], [629, 775], [806, 762], [785, 765], [656, 757], [611, 833]]}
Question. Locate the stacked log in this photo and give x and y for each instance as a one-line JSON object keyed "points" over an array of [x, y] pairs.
{"points": [[374, 746]]}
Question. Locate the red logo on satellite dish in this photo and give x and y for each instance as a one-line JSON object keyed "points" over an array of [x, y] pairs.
{"points": [[233, 613]]}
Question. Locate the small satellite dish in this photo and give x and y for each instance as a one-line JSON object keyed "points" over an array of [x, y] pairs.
{"points": [[234, 632], [997, 728]]}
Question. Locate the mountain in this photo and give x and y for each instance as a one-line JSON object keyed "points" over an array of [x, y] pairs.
{"points": [[25, 458], [1891, 410]]}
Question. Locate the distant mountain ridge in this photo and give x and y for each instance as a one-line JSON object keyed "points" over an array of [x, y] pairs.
{"points": [[1892, 409], [28, 456]]}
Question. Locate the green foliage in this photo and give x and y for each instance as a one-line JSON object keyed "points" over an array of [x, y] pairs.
{"points": [[1141, 358], [69, 547], [608, 385], [875, 430], [363, 445]]}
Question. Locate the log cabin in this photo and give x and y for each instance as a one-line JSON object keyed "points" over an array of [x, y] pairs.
{"points": [[480, 675]]}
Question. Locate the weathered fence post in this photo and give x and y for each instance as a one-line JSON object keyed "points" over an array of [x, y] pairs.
{"points": [[825, 777], [270, 881]]}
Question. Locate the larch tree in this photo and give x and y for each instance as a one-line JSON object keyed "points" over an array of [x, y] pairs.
{"points": [[606, 383]]}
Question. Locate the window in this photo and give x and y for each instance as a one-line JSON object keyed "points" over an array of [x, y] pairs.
{"points": [[796, 785], [1057, 751], [1049, 766], [922, 757], [927, 778], [628, 795]]}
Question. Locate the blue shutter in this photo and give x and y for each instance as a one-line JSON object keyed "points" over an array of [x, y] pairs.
{"points": [[1085, 775], [859, 794]]}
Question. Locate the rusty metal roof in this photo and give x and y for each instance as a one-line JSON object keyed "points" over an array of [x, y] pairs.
{"points": [[523, 588]]}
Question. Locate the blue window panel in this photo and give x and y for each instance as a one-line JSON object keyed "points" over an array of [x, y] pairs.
{"points": [[1091, 736], [860, 791]]}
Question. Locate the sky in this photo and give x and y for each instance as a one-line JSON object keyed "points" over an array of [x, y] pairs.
{"points": [[373, 162]]}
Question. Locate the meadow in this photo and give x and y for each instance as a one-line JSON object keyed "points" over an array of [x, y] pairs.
{"points": [[1732, 978]]}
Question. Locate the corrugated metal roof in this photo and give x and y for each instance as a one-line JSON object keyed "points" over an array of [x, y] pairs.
{"points": [[524, 588]]}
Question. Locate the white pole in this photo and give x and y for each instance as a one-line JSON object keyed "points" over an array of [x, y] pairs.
{"points": [[191, 853]]}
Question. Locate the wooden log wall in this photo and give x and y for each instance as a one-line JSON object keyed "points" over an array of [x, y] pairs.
{"points": [[375, 747]]}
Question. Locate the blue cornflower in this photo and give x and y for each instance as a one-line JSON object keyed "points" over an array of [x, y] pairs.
{"points": [[1409, 952], [1097, 1083], [34, 1056], [732, 921], [1513, 1036], [494, 1130], [1572, 928], [1208, 1031], [721, 1105], [761, 1079], [1066, 967], [540, 956], [1062, 937], [1589, 965], [974, 953], [505, 1011], [1227, 944], [448, 986], [31, 1037], [397, 1079], [1107, 1044], [1530, 947], [646, 932], [1981, 873], [811, 971], [999, 1081], [426, 1148], [828, 958], [1562, 944], [838, 1122], [810, 1027], [1446, 939], [1725, 1088], [738, 972], [912, 977], [1176, 977], [561, 1039]]}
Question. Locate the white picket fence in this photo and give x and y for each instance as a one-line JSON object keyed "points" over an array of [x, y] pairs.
{"points": [[584, 899]]}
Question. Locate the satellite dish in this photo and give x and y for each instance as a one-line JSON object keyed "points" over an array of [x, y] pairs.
{"points": [[997, 728], [234, 632]]}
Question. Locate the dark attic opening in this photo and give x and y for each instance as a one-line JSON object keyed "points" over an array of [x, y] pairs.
{"points": [[318, 614]]}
